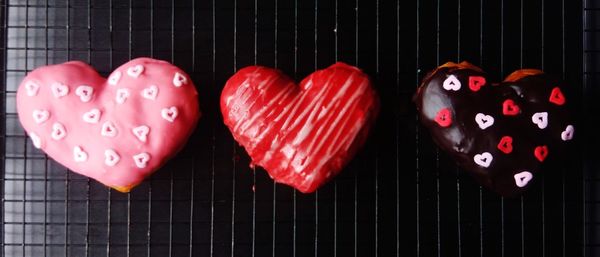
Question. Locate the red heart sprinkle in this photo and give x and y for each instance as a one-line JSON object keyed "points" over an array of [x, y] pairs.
{"points": [[444, 117], [541, 152], [557, 97], [476, 82], [510, 108], [505, 144]]}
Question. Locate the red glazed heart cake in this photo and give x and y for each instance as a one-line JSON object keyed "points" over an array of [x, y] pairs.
{"points": [[302, 135]]}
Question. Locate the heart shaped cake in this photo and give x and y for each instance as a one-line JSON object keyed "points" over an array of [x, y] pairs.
{"points": [[501, 133], [302, 135], [117, 130]]}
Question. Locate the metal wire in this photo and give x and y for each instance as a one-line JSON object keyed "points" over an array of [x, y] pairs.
{"points": [[199, 207], [590, 70]]}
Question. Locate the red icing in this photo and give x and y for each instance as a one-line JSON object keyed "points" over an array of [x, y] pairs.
{"points": [[505, 144], [117, 140], [443, 117], [509, 107], [541, 152], [302, 135], [557, 97], [476, 82]]}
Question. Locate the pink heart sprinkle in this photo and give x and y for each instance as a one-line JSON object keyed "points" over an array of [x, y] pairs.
{"points": [[108, 129], [567, 134], [179, 80], [141, 160], [59, 90], [93, 116], [523, 178], [141, 132], [111, 158], [150, 92], [58, 131], [32, 88], [170, 113], [85, 93], [122, 95]]}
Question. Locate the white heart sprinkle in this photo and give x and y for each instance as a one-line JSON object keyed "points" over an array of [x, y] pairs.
{"points": [[567, 134], [35, 140], [39, 116], [93, 116], [122, 95], [141, 132], [59, 90], [150, 92], [84, 92], [179, 80], [169, 113], [114, 78], [111, 158], [522, 178], [483, 159], [32, 88], [451, 83], [108, 129], [540, 119], [141, 160], [58, 131], [135, 71], [484, 121], [79, 155]]}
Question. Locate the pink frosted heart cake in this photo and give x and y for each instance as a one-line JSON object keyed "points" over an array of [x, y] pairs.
{"points": [[117, 130]]}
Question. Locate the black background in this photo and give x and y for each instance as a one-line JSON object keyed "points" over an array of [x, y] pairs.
{"points": [[400, 196]]}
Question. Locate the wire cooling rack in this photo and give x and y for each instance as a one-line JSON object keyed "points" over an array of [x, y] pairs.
{"points": [[399, 197]]}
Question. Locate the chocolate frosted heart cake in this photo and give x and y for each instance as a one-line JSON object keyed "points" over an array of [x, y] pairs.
{"points": [[501, 133]]}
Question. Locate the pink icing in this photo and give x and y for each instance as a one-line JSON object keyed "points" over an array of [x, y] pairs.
{"points": [[163, 139]]}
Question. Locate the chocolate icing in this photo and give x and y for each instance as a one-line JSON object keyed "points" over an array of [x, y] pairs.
{"points": [[530, 90]]}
